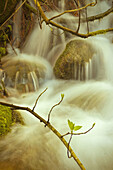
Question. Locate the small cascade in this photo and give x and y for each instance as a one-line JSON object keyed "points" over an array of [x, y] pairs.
{"points": [[99, 67]]}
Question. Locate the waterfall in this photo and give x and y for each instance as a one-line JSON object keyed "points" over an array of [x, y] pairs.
{"points": [[34, 147]]}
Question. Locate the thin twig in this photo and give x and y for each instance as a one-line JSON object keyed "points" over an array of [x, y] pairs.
{"points": [[38, 99], [79, 15], [82, 133], [13, 14], [53, 108], [4, 8], [99, 16]]}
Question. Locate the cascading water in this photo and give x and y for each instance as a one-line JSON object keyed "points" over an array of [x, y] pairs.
{"points": [[33, 147]]}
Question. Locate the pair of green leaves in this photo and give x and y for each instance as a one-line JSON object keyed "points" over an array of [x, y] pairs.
{"points": [[72, 126]]}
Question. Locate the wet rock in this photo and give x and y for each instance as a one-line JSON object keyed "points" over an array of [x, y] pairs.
{"points": [[72, 63]]}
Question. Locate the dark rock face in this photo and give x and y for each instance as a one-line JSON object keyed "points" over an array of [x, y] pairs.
{"points": [[71, 63]]}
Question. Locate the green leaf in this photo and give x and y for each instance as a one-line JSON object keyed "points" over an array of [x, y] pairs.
{"points": [[71, 125], [77, 128]]}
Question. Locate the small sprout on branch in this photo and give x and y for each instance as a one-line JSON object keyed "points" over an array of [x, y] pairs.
{"points": [[74, 128]]}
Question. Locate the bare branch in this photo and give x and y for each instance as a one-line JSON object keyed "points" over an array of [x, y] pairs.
{"points": [[38, 99], [99, 16]]}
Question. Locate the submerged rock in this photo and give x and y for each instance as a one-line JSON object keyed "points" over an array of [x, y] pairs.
{"points": [[8, 118], [72, 63]]}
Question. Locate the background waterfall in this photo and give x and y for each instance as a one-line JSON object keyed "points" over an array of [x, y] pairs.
{"points": [[33, 147]]}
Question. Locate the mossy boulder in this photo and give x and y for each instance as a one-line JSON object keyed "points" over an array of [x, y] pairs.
{"points": [[8, 118], [71, 63]]}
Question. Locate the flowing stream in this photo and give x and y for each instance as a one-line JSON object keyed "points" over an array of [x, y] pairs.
{"points": [[34, 147]]}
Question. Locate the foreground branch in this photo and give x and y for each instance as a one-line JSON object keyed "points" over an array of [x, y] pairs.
{"points": [[15, 107]]}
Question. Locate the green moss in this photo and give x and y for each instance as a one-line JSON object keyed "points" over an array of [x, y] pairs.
{"points": [[2, 51], [7, 119]]}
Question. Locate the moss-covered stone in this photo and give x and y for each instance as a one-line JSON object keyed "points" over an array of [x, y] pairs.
{"points": [[8, 118], [72, 61]]}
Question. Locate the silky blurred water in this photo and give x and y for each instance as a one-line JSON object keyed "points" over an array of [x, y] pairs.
{"points": [[34, 147]]}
